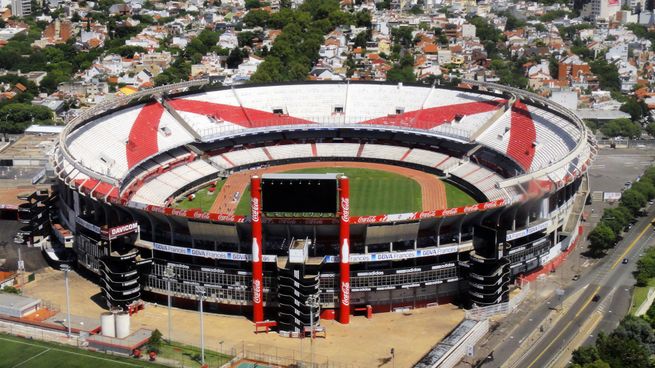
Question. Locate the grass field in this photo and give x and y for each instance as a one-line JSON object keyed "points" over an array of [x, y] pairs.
{"points": [[639, 295], [187, 355], [372, 192], [457, 197], [204, 199], [17, 352]]}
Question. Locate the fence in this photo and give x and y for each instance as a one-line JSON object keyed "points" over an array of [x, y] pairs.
{"points": [[482, 313], [176, 355]]}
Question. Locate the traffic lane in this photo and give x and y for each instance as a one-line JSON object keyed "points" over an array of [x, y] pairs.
{"points": [[563, 332], [551, 333], [616, 310], [585, 305]]}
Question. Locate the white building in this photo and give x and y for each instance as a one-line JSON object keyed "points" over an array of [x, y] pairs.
{"points": [[21, 8], [601, 9]]}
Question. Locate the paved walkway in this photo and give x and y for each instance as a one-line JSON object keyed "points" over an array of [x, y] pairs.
{"points": [[643, 308]]}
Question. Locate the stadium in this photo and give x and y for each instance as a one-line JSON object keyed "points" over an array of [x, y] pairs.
{"points": [[289, 201]]}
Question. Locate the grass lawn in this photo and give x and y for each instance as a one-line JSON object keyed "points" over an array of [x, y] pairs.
{"points": [[639, 295], [372, 192], [187, 355], [457, 197], [32, 353], [204, 199]]}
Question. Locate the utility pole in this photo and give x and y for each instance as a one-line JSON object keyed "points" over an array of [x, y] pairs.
{"points": [[201, 294], [312, 302], [67, 268], [169, 274]]}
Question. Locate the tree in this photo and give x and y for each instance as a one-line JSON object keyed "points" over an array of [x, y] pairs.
{"points": [[155, 341], [257, 18], [644, 187], [234, 59], [621, 127], [585, 355], [11, 290], [636, 109], [637, 329], [622, 352], [633, 200], [601, 238]]}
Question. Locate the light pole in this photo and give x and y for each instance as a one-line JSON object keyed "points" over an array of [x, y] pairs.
{"points": [[169, 274], [67, 268], [201, 294], [312, 302]]}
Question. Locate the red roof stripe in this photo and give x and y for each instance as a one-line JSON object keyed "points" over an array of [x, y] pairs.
{"points": [[142, 141]]}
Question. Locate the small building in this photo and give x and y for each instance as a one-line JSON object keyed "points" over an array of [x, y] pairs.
{"points": [[18, 306]]}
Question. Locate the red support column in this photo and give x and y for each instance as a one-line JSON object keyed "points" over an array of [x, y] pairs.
{"points": [[344, 253], [257, 269]]}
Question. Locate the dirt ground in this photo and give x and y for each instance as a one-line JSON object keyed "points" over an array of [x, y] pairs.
{"points": [[433, 191], [362, 343]]}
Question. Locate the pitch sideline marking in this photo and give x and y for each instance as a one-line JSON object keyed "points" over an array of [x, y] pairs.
{"points": [[69, 352], [28, 359]]}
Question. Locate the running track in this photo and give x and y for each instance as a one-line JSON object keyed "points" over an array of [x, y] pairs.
{"points": [[433, 191]]}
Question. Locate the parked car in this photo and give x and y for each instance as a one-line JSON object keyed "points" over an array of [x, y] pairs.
{"points": [[576, 277]]}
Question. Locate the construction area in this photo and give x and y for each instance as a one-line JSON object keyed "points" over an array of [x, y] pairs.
{"points": [[373, 338]]}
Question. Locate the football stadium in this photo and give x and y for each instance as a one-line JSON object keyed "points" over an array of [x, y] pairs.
{"points": [[291, 202]]}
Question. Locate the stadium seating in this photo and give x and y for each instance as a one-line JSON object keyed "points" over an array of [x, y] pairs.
{"points": [[385, 152], [246, 156], [288, 151], [425, 158], [337, 149], [160, 188]]}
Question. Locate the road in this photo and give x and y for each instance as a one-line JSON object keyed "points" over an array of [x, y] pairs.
{"points": [[611, 280]]}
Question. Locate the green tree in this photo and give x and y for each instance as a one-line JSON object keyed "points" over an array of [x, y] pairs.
{"points": [[633, 200], [636, 109], [257, 18], [621, 127], [585, 355], [11, 290], [601, 238], [645, 187], [622, 352]]}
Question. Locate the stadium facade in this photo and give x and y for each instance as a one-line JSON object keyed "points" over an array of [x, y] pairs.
{"points": [[122, 164]]}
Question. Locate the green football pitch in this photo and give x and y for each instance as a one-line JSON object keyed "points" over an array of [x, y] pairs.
{"points": [[372, 192], [375, 192], [18, 352]]}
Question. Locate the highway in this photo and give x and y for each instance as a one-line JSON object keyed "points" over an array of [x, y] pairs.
{"points": [[611, 280]]}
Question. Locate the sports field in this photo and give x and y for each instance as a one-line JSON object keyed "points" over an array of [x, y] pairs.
{"points": [[17, 352], [204, 198], [374, 192]]}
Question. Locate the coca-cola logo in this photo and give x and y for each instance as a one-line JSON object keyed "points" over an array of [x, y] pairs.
{"points": [[201, 215], [177, 212], [366, 219], [254, 207], [345, 251], [345, 293], [256, 291], [427, 214], [471, 208], [489, 205], [449, 212], [345, 210], [255, 250]]}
